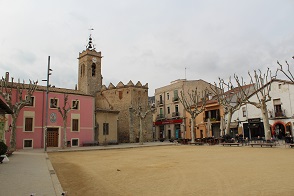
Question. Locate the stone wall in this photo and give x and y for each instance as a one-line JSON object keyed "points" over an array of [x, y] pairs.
{"points": [[121, 98]]}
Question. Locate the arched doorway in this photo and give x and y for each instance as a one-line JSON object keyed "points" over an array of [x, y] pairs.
{"points": [[279, 130]]}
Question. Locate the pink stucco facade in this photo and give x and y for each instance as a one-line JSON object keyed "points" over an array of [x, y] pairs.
{"points": [[78, 132]]}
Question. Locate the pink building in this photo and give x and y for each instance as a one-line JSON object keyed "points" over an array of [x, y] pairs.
{"points": [[31, 123]]}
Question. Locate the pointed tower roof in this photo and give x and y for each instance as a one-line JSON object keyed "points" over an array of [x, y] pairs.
{"points": [[90, 45]]}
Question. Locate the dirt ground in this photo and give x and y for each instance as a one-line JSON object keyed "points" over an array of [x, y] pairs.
{"points": [[177, 170]]}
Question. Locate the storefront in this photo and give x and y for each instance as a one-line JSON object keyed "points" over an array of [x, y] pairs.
{"points": [[253, 128]]}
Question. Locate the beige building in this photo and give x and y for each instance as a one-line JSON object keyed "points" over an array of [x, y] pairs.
{"points": [[169, 119], [115, 122]]}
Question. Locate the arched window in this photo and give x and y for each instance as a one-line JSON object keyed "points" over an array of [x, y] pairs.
{"points": [[93, 69], [82, 70]]}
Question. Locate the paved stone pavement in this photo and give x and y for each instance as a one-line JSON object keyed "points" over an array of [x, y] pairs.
{"points": [[30, 172]]}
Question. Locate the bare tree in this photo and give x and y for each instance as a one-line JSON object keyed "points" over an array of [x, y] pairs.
{"points": [[262, 87], [141, 114], [18, 103], [194, 103], [63, 112], [230, 97], [287, 72]]}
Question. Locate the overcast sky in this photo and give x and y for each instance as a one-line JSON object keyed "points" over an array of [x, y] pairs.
{"points": [[151, 41]]}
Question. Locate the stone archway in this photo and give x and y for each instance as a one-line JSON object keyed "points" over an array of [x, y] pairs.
{"points": [[279, 129]]}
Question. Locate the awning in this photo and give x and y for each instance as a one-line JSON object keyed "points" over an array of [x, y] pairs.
{"points": [[169, 121], [4, 109]]}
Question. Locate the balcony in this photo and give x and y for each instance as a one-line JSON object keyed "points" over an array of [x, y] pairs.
{"points": [[277, 114], [160, 117], [176, 99], [176, 114], [160, 103], [212, 119]]}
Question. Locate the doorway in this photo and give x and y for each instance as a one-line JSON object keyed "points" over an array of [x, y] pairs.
{"points": [[52, 137]]}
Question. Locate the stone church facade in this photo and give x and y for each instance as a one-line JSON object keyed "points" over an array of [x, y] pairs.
{"points": [[115, 122]]}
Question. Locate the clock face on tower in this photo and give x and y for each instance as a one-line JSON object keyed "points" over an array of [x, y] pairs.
{"points": [[94, 60]]}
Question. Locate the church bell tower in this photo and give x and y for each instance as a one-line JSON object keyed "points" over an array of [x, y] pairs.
{"points": [[89, 72]]}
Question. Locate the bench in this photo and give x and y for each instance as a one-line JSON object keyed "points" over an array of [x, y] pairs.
{"points": [[197, 143], [231, 144], [93, 143], [291, 145], [262, 144]]}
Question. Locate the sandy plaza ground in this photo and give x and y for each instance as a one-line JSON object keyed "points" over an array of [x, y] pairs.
{"points": [[177, 170]]}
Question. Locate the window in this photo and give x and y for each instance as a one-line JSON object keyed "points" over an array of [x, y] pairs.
{"points": [[93, 69], [75, 142], [28, 124], [53, 103], [176, 108], [105, 129], [160, 99], [278, 108], [280, 85], [75, 104], [75, 125], [176, 94], [244, 111], [32, 101], [167, 96], [168, 110], [82, 70], [28, 143]]}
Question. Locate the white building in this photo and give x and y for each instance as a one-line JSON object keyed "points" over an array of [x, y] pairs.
{"points": [[280, 112]]}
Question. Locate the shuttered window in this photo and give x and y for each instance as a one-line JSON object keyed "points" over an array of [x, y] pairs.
{"points": [[75, 124], [28, 124]]}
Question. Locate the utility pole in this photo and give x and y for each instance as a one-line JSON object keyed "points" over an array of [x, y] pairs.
{"points": [[46, 113]]}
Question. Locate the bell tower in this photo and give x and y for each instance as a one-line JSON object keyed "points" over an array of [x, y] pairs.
{"points": [[89, 72]]}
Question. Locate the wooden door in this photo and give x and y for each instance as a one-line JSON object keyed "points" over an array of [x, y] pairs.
{"points": [[52, 137]]}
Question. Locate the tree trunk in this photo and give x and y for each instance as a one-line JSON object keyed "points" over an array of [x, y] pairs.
{"points": [[13, 132], [64, 134], [192, 130], [141, 132], [266, 125], [132, 134], [230, 114]]}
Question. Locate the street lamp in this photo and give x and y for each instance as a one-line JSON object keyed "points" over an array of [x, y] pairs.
{"points": [[46, 114]]}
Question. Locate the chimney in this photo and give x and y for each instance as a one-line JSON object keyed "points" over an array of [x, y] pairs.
{"points": [[7, 76]]}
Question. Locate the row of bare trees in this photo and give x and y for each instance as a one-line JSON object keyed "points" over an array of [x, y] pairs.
{"points": [[231, 95]]}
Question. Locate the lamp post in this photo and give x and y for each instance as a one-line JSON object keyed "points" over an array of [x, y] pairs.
{"points": [[46, 113]]}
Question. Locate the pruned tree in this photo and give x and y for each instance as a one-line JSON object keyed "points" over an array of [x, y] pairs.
{"points": [[141, 114], [63, 112], [194, 103], [261, 84], [287, 73], [230, 97], [23, 96]]}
